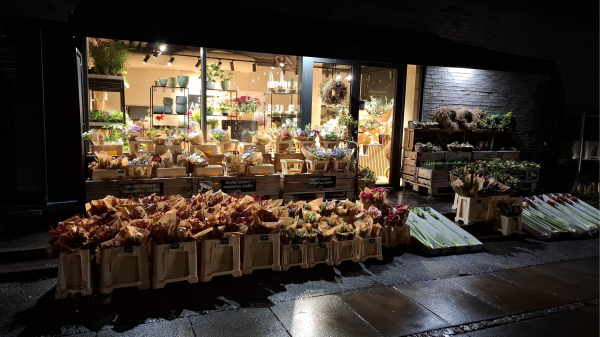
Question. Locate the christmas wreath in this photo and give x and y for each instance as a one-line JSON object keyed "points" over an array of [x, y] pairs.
{"points": [[334, 92]]}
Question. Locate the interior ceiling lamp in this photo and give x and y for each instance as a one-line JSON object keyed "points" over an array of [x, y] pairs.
{"points": [[349, 77], [146, 59], [162, 47], [253, 67], [155, 54], [232, 68], [198, 63], [171, 60], [338, 76], [281, 64]]}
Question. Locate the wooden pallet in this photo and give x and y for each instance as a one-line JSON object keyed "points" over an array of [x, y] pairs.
{"points": [[164, 186], [275, 159], [422, 188]]}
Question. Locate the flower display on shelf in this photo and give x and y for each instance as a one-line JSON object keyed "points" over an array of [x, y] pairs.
{"points": [[377, 106], [369, 123], [367, 174], [159, 118], [497, 163], [396, 213], [318, 152], [307, 134], [247, 104], [341, 153], [218, 134], [282, 134], [249, 153]]}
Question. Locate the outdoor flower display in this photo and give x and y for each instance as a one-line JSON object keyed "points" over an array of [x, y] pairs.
{"points": [[219, 134], [395, 215], [282, 134], [252, 156], [341, 153], [232, 157], [198, 159], [367, 174], [316, 153], [472, 181], [132, 132], [307, 134], [497, 163]]}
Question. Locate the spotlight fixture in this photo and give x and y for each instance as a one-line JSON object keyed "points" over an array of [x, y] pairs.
{"points": [[198, 63], [171, 60], [391, 74], [162, 47], [155, 54], [281, 64], [253, 67], [232, 68], [349, 77], [146, 59]]}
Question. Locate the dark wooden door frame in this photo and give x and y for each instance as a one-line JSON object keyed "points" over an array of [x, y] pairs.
{"points": [[306, 86]]}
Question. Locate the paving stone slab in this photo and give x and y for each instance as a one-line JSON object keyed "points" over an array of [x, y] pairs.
{"points": [[241, 322]]}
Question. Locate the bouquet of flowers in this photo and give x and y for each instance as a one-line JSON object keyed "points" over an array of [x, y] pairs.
{"points": [[194, 138], [252, 156], [198, 159], [395, 215], [330, 135], [232, 157], [219, 134], [367, 175], [341, 153], [511, 207], [132, 132], [379, 194], [307, 134], [282, 134], [247, 104], [316, 153]]}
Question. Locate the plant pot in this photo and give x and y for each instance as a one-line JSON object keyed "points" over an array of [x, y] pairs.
{"points": [[225, 112], [211, 85], [225, 85], [209, 112], [466, 149], [157, 83], [453, 148], [183, 81], [181, 109], [171, 81], [419, 148], [414, 124], [162, 82], [181, 100]]}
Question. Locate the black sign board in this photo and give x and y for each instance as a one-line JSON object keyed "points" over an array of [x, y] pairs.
{"points": [[128, 249], [204, 186], [517, 174], [225, 241], [242, 185], [295, 247], [372, 240], [174, 246], [140, 189], [320, 182], [264, 238]]}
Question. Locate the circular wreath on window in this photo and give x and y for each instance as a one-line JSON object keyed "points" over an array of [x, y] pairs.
{"points": [[334, 92]]}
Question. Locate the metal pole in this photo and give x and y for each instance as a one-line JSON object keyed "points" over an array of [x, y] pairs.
{"points": [[203, 92]]}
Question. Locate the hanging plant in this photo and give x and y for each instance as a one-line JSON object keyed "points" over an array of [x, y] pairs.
{"points": [[334, 92]]}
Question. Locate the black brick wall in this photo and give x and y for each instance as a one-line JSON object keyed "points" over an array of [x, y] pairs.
{"points": [[495, 92]]}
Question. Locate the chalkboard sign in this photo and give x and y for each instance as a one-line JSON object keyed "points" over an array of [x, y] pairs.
{"points": [[242, 185], [320, 182], [204, 186], [140, 189]]}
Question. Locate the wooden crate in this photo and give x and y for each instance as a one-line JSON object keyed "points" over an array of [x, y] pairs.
{"points": [[205, 148], [262, 169], [292, 166], [385, 236], [260, 148], [410, 170], [294, 255], [320, 252], [433, 174], [471, 210], [130, 171], [141, 145], [261, 251], [458, 156], [368, 248], [74, 274], [235, 169], [330, 144], [419, 156], [399, 235], [482, 155], [434, 183], [410, 162], [276, 159], [123, 267], [510, 225], [409, 139], [308, 185], [208, 171], [514, 155], [228, 145], [336, 165], [408, 177], [267, 185], [220, 257], [116, 150], [174, 262], [299, 144], [108, 174], [171, 172], [284, 146], [162, 149], [316, 166], [344, 251], [122, 188]]}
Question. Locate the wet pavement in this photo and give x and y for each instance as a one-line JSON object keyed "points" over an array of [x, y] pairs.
{"points": [[517, 286]]}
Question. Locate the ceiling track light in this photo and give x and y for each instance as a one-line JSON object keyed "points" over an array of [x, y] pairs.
{"points": [[146, 59], [162, 47], [232, 68], [253, 67], [198, 63], [281, 64], [171, 60], [155, 54]]}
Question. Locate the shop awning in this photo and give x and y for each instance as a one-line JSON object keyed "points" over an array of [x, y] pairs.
{"points": [[229, 26]]}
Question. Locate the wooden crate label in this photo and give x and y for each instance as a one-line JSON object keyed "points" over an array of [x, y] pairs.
{"points": [[371, 240], [322, 245], [225, 241], [296, 247], [532, 174], [140, 189], [174, 246], [128, 249], [245, 185], [517, 174], [264, 238], [320, 182], [204, 186]]}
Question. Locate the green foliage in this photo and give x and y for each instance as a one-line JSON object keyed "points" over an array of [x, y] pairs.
{"points": [[369, 123], [214, 71], [109, 56], [196, 116], [368, 175], [115, 135], [377, 106], [103, 116], [499, 122], [213, 122]]}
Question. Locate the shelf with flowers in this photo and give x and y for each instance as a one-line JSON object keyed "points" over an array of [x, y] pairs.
{"points": [[246, 106]]}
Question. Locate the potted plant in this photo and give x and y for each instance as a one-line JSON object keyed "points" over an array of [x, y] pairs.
{"points": [[225, 77], [366, 178], [212, 72], [420, 147], [466, 147], [213, 123], [454, 147], [109, 57]]}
